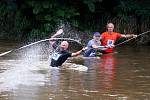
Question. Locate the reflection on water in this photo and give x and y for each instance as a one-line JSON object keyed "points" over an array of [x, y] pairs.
{"points": [[25, 75], [107, 70]]}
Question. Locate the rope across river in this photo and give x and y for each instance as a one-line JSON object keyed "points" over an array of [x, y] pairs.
{"points": [[69, 39]]}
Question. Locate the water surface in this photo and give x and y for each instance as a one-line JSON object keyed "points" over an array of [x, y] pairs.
{"points": [[25, 75]]}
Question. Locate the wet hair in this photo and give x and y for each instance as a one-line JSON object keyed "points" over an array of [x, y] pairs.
{"points": [[65, 42], [110, 24]]}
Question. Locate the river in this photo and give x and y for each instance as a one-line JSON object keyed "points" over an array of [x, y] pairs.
{"points": [[124, 75]]}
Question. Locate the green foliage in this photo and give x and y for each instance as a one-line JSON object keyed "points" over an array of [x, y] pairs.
{"points": [[39, 17], [90, 4], [126, 7], [144, 13], [33, 19], [131, 15], [35, 34]]}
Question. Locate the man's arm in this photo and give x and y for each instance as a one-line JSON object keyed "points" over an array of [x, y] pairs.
{"points": [[93, 45], [78, 52], [59, 32], [129, 35]]}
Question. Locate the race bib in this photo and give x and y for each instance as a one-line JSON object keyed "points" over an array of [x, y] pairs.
{"points": [[55, 56], [110, 42]]}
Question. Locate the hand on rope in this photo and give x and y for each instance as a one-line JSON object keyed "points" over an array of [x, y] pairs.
{"points": [[110, 46], [134, 36]]}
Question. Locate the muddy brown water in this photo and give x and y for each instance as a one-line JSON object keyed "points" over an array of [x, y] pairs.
{"points": [[124, 75]]}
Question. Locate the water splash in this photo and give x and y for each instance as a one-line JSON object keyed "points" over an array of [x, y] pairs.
{"points": [[76, 67], [24, 70]]}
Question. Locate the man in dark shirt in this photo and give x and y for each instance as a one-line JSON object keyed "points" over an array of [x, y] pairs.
{"points": [[61, 54]]}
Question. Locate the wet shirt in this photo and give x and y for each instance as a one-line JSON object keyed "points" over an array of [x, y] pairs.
{"points": [[59, 57], [109, 39], [91, 52]]}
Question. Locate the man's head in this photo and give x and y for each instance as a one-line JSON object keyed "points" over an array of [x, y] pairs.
{"points": [[64, 45], [96, 35], [110, 27]]}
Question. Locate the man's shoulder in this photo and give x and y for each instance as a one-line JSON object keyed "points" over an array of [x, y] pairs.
{"points": [[105, 32], [91, 41], [116, 33], [66, 53]]}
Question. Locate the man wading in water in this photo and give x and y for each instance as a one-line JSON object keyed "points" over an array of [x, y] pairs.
{"points": [[109, 38], [60, 53], [93, 46]]}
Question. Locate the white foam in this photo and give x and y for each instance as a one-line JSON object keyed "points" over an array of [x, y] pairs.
{"points": [[22, 72], [20, 75], [73, 66]]}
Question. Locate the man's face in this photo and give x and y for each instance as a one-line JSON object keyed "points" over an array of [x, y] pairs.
{"points": [[64, 45], [97, 38], [110, 27]]}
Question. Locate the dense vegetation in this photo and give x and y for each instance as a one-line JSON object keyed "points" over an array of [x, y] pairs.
{"points": [[36, 19]]}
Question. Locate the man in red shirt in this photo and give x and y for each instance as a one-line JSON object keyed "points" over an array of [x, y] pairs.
{"points": [[109, 37]]}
